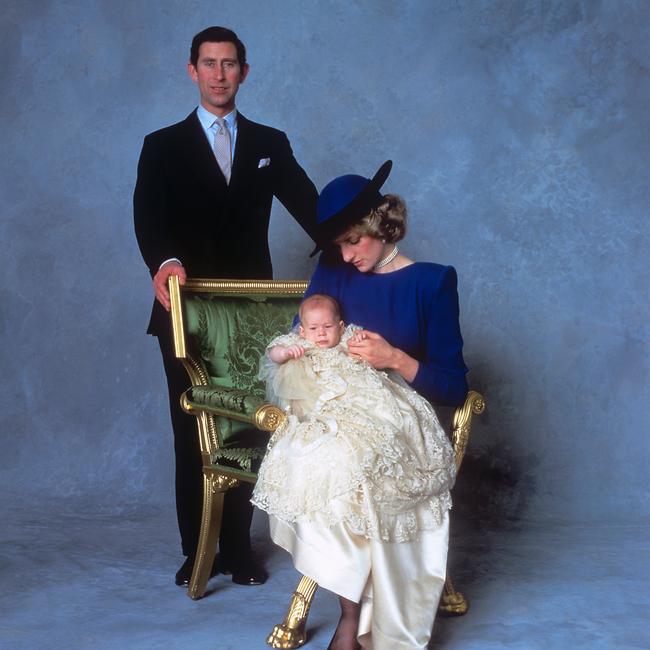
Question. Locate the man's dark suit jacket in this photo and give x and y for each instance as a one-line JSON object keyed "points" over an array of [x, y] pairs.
{"points": [[184, 209]]}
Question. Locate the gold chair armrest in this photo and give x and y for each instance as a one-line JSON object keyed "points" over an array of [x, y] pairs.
{"points": [[266, 417], [177, 316], [462, 423], [269, 417]]}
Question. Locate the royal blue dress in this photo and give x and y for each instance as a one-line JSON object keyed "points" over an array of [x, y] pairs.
{"points": [[415, 309]]}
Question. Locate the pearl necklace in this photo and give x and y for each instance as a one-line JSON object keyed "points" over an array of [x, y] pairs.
{"points": [[387, 260]]}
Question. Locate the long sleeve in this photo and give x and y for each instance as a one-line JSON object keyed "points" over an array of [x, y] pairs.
{"points": [[441, 374], [294, 188], [154, 227]]}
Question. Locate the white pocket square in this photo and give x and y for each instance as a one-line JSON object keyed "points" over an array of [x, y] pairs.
{"points": [[264, 162]]}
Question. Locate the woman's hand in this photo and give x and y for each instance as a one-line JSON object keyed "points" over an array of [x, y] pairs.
{"points": [[379, 353], [373, 348]]}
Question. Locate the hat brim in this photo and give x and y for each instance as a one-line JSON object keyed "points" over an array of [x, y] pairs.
{"points": [[368, 199]]}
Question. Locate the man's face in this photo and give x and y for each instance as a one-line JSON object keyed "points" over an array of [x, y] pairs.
{"points": [[320, 326], [218, 75]]}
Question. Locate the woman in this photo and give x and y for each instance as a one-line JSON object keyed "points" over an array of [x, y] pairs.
{"points": [[388, 590]]}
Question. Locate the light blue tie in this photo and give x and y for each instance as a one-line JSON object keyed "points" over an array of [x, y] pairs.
{"points": [[222, 147]]}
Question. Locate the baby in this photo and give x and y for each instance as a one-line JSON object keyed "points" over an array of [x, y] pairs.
{"points": [[359, 446], [320, 323]]}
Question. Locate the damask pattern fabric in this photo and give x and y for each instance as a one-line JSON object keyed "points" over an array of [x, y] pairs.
{"points": [[358, 447], [231, 335]]}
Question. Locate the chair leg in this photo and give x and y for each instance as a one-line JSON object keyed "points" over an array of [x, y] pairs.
{"points": [[292, 633], [452, 602], [214, 489]]}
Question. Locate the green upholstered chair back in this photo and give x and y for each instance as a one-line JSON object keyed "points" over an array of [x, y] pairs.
{"points": [[227, 333], [230, 334]]}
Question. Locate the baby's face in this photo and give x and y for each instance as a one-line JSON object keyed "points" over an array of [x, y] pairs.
{"points": [[319, 325]]}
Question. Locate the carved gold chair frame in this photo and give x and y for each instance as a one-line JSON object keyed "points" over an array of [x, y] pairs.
{"points": [[291, 633]]}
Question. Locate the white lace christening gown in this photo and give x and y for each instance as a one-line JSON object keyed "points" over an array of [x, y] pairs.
{"points": [[359, 448]]}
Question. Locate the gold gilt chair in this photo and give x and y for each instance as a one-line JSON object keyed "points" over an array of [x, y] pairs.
{"points": [[221, 328]]}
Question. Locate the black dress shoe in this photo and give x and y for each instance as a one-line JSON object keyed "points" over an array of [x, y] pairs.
{"points": [[245, 573], [252, 575], [184, 574]]}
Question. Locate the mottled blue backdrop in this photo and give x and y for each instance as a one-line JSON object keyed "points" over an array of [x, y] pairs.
{"points": [[521, 140]]}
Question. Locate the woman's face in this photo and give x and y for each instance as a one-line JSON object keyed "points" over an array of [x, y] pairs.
{"points": [[363, 251]]}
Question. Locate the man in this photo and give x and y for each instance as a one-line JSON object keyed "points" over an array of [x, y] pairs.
{"points": [[201, 206]]}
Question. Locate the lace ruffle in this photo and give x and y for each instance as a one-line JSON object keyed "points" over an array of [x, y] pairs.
{"points": [[357, 447]]}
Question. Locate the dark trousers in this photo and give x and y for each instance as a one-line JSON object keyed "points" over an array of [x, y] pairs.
{"points": [[234, 540]]}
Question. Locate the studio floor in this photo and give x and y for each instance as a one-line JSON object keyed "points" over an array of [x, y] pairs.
{"points": [[74, 578]]}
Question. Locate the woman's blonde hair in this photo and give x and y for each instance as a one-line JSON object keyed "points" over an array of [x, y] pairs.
{"points": [[386, 222]]}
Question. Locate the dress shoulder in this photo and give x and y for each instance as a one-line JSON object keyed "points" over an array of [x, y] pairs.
{"points": [[432, 269], [432, 278]]}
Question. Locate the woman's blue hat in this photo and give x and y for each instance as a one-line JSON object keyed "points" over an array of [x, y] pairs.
{"points": [[346, 200]]}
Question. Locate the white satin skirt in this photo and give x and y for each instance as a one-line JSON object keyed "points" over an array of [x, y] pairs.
{"points": [[397, 583]]}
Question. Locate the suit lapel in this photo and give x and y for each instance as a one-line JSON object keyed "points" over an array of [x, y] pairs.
{"points": [[244, 149]]}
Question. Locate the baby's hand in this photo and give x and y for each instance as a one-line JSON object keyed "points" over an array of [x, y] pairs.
{"points": [[358, 336], [282, 354], [294, 351]]}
